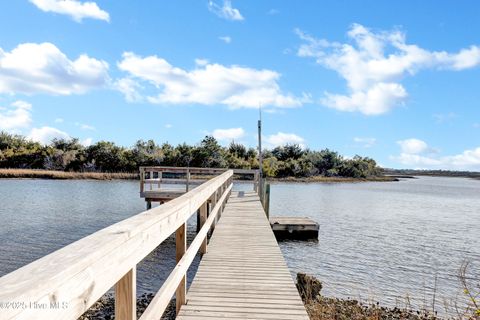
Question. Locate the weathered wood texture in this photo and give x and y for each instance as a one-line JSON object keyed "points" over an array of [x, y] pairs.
{"points": [[243, 275], [126, 297]]}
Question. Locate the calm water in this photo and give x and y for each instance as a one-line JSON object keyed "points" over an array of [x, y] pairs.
{"points": [[380, 241], [384, 241]]}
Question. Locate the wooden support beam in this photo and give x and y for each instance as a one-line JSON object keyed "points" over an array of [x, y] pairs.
{"points": [[203, 218], [142, 180], [188, 181], [213, 204], [151, 178], [181, 248], [126, 297], [267, 200]]}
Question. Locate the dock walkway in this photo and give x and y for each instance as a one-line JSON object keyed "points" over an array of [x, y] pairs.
{"points": [[243, 275]]}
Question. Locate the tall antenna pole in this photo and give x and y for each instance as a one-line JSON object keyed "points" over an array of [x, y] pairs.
{"points": [[260, 158]]}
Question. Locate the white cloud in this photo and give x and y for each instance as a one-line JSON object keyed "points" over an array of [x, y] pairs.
{"points": [[226, 11], [87, 142], [413, 146], [168, 126], [373, 65], [228, 134], [16, 116], [43, 68], [417, 154], [58, 120], [226, 39], [201, 62], [467, 160], [46, 134], [281, 138], [76, 9], [365, 142], [130, 89], [234, 86], [273, 12], [84, 126]]}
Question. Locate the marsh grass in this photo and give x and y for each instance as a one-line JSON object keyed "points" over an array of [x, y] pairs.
{"points": [[62, 175]]}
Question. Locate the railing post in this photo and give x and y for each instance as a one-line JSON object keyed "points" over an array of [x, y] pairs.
{"points": [[203, 218], [213, 204], [267, 200], [151, 180], [159, 179], [126, 297], [181, 248], [255, 182], [188, 180], [142, 179]]}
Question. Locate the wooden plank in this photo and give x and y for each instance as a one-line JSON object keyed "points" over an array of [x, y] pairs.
{"points": [[126, 297], [243, 275]]}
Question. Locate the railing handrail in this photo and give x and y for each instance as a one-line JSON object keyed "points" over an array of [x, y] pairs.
{"points": [[74, 277], [196, 170]]}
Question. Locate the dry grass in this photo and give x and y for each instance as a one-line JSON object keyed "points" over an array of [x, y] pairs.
{"points": [[61, 175]]}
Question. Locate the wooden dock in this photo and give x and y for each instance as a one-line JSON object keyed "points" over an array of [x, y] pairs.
{"points": [[299, 228], [243, 275]]}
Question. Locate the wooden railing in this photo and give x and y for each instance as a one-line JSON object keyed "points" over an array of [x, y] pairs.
{"points": [[152, 177], [65, 283]]}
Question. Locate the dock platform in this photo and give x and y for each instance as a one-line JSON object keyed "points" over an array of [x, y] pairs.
{"points": [[243, 275], [299, 228]]}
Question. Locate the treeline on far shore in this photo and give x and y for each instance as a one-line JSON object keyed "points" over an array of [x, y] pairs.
{"points": [[291, 160]]}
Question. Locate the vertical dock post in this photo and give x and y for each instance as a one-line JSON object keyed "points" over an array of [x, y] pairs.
{"points": [[149, 204], [159, 179], [203, 218], [266, 204], [255, 182], [151, 180], [126, 297], [188, 180], [181, 248], [199, 225], [142, 180]]}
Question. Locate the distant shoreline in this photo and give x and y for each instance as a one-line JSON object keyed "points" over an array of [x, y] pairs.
{"points": [[62, 175], [69, 175]]}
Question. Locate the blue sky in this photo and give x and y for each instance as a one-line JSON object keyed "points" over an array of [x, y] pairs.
{"points": [[393, 80]]}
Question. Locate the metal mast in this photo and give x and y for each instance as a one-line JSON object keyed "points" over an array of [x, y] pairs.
{"points": [[260, 158]]}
